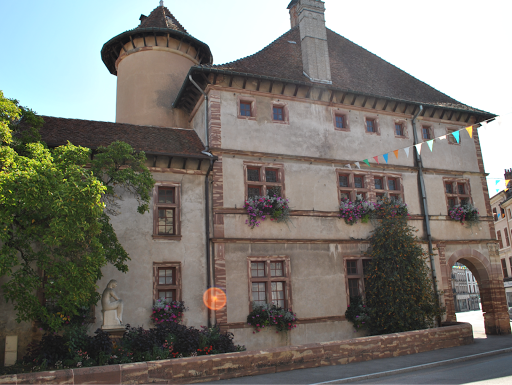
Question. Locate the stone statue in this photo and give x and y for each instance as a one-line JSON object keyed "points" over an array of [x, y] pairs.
{"points": [[112, 307]]}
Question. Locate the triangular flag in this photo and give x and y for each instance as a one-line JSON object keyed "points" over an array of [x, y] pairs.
{"points": [[407, 151], [366, 161], [499, 215], [442, 137], [418, 148], [348, 166], [506, 182], [497, 190], [456, 135], [483, 125], [499, 119], [358, 165], [430, 144], [385, 156], [497, 182], [470, 131], [396, 153], [376, 159]]}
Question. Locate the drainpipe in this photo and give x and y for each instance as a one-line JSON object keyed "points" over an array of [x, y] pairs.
{"points": [[419, 164], [206, 194]]}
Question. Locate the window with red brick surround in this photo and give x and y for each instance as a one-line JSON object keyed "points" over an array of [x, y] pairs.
{"points": [[167, 281], [401, 129], [280, 113], [356, 269], [504, 268], [246, 107], [371, 126], [507, 239], [457, 192], [166, 210], [427, 132], [263, 179], [498, 234], [269, 281], [369, 185], [340, 121]]}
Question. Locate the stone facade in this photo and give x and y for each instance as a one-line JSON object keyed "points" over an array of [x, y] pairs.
{"points": [[303, 143]]}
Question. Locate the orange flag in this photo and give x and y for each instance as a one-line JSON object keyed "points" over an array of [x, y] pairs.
{"points": [[396, 153], [470, 130]]}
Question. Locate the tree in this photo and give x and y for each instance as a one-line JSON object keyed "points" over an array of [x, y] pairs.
{"points": [[399, 290], [56, 236]]}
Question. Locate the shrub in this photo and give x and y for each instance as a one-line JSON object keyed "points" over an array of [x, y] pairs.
{"points": [[261, 208], [165, 311], [269, 315], [357, 313], [466, 213]]}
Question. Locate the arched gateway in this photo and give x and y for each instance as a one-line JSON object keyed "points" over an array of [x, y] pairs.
{"points": [[487, 271]]}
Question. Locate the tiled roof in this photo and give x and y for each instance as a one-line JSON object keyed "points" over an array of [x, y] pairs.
{"points": [[353, 69], [92, 134], [161, 17]]}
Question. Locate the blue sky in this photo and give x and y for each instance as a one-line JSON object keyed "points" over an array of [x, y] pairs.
{"points": [[51, 49]]}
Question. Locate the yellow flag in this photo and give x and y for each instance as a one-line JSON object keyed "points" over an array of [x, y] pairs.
{"points": [[396, 153], [506, 182], [470, 130]]}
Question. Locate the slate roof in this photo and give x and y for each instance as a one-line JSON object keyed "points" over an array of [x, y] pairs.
{"points": [[161, 17], [353, 69], [92, 134]]}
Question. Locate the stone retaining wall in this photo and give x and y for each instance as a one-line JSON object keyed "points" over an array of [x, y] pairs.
{"points": [[232, 365]]}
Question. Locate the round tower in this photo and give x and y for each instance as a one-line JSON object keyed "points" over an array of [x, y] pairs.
{"points": [[151, 63]]}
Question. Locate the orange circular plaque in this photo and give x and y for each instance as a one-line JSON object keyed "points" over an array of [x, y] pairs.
{"points": [[214, 298]]}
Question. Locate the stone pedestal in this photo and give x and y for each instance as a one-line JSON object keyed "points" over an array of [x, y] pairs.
{"points": [[110, 321]]}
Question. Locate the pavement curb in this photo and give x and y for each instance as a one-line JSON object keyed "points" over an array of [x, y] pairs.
{"points": [[416, 367]]}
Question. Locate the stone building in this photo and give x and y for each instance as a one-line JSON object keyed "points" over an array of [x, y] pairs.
{"points": [[501, 205], [466, 295], [289, 118]]}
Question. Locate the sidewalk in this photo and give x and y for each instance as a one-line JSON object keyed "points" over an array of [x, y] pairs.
{"points": [[485, 345]]}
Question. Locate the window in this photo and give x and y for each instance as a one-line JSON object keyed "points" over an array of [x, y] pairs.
{"points": [[450, 137], [279, 113], [426, 133], [269, 281], [504, 268], [356, 270], [370, 125], [167, 281], [353, 183], [495, 214], [261, 180], [399, 129], [166, 210], [498, 233], [457, 192], [245, 109], [507, 239], [340, 122]]}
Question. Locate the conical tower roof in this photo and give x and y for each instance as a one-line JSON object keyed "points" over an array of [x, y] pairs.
{"points": [[161, 17], [160, 22]]}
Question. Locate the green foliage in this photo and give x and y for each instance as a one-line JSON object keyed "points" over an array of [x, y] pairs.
{"points": [[399, 290], [269, 315], [55, 233], [357, 313]]}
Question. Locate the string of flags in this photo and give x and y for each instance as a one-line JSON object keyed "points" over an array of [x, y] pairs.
{"points": [[430, 143]]}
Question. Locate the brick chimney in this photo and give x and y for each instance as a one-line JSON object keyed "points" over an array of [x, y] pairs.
{"points": [[310, 16]]}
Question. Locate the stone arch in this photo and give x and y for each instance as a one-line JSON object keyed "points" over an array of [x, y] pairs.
{"points": [[487, 271]]}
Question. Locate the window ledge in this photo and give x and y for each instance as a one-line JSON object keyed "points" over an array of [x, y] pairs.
{"points": [[280, 121], [247, 117], [167, 237]]}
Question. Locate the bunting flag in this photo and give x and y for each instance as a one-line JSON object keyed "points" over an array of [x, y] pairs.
{"points": [[499, 119], [498, 182], [483, 124], [499, 215], [456, 135], [358, 165], [418, 148], [430, 144], [470, 131], [385, 156], [376, 159], [442, 137], [506, 182], [396, 153], [407, 151], [348, 166], [366, 161]]}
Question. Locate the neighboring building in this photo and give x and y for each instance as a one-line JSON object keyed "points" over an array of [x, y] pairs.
{"points": [[466, 295], [288, 118], [501, 205]]}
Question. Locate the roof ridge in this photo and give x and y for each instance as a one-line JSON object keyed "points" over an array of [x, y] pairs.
{"points": [[268, 46], [163, 18]]}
